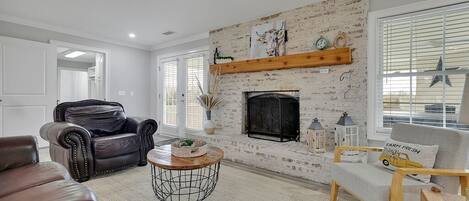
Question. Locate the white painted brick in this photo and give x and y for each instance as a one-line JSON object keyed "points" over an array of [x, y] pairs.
{"points": [[321, 95]]}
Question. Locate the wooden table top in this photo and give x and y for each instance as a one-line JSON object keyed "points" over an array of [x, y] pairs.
{"points": [[162, 158]]}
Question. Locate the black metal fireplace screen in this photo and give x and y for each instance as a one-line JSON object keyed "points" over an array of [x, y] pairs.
{"points": [[273, 116]]}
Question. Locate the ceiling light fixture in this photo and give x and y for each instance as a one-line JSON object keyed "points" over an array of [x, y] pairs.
{"points": [[75, 54], [132, 35]]}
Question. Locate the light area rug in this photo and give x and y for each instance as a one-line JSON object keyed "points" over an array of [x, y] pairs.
{"points": [[235, 184]]}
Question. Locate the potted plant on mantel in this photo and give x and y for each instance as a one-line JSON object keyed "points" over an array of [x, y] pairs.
{"points": [[209, 100]]}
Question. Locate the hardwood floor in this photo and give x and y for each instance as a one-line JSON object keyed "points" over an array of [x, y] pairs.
{"points": [[237, 182]]}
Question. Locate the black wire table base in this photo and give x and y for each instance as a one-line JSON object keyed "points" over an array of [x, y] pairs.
{"points": [[177, 185]]}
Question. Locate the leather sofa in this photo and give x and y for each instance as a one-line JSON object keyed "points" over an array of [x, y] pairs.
{"points": [[23, 177], [94, 137]]}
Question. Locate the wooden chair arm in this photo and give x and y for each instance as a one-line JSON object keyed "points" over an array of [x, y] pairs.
{"points": [[397, 190], [341, 149], [435, 172]]}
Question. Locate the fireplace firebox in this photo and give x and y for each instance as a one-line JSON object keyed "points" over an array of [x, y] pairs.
{"points": [[273, 115]]}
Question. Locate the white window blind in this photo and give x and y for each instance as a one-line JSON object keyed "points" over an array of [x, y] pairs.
{"points": [[423, 62], [170, 92], [194, 112]]}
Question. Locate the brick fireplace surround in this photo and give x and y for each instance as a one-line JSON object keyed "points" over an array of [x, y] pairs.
{"points": [[321, 95]]}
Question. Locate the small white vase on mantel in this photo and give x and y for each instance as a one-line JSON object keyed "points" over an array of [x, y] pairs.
{"points": [[209, 126]]}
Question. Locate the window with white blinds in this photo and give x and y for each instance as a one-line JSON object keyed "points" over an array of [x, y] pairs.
{"points": [[170, 92], [423, 61], [178, 91], [194, 112]]}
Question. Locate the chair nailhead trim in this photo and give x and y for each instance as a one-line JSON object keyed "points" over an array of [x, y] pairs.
{"points": [[76, 172]]}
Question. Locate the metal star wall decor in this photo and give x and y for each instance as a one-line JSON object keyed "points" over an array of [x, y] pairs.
{"points": [[439, 78]]}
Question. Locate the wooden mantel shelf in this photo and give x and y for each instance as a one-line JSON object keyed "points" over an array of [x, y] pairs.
{"points": [[304, 60]]}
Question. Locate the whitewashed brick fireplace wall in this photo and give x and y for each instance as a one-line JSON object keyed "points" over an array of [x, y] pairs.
{"points": [[321, 95]]}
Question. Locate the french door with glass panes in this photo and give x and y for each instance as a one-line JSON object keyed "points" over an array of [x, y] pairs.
{"points": [[179, 110]]}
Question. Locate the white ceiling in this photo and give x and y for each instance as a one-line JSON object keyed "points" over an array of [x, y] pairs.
{"points": [[113, 20]]}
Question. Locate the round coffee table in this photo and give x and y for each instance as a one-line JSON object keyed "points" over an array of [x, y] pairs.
{"points": [[175, 178]]}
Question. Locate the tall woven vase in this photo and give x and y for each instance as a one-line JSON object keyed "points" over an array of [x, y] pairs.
{"points": [[209, 126]]}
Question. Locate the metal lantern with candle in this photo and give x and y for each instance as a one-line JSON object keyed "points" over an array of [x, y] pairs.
{"points": [[346, 132], [316, 137]]}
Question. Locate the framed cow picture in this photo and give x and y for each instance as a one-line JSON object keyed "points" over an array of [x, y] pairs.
{"points": [[268, 40]]}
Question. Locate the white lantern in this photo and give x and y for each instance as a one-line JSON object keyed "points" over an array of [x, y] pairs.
{"points": [[346, 132], [316, 137]]}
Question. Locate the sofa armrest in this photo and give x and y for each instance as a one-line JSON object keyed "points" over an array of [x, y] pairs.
{"points": [[339, 150], [17, 151], [144, 128], [397, 190], [140, 126], [58, 133], [70, 145]]}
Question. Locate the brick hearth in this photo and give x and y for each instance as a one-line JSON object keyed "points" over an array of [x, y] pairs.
{"points": [[291, 158]]}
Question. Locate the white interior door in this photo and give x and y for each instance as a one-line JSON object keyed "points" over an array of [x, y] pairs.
{"points": [[28, 93]]}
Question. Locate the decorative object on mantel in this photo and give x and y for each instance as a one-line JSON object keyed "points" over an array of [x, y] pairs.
{"points": [[218, 59], [316, 137], [346, 132], [341, 40], [304, 60], [322, 43], [209, 100], [188, 148], [268, 40], [347, 75]]}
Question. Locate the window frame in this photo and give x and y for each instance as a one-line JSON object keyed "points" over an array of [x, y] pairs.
{"points": [[373, 63], [203, 54], [180, 56], [163, 91]]}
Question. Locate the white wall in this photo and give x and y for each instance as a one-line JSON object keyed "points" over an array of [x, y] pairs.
{"points": [[130, 67], [154, 66]]}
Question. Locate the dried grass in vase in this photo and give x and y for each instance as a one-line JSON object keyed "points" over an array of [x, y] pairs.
{"points": [[208, 99]]}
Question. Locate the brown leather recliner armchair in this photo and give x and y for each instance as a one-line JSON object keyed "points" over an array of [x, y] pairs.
{"points": [[93, 137]]}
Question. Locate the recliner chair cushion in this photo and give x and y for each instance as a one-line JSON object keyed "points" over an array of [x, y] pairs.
{"points": [[29, 176], [115, 145], [61, 190], [100, 120]]}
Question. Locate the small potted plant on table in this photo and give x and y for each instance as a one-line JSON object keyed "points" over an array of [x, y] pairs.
{"points": [[188, 148]]}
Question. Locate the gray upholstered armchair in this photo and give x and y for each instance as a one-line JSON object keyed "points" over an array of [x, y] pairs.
{"points": [[93, 137], [371, 183]]}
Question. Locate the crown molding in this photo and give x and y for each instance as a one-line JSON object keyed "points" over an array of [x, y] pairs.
{"points": [[180, 41], [72, 32]]}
